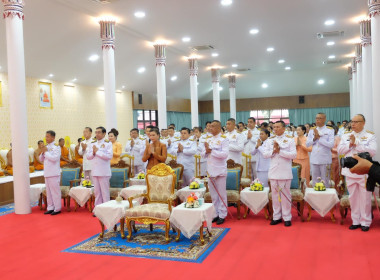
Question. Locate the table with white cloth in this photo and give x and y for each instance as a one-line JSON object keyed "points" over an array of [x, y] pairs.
{"points": [[134, 181], [134, 191], [36, 194], [321, 201], [185, 192], [190, 220], [255, 200], [110, 213], [81, 195]]}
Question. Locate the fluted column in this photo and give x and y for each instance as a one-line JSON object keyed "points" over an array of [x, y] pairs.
{"points": [[232, 87], [374, 12], [215, 75], [350, 87], [160, 54], [365, 36], [107, 34], [193, 67], [359, 79], [354, 89], [14, 16]]}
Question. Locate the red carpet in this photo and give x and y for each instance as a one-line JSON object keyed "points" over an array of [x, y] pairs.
{"points": [[31, 245]]}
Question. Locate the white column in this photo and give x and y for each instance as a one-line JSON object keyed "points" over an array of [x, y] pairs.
{"points": [[374, 12], [350, 86], [160, 54], [107, 34], [365, 36], [359, 79], [354, 89], [232, 86], [215, 92], [13, 14], [193, 67]]}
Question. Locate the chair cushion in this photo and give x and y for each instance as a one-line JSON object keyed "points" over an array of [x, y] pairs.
{"points": [[69, 174], [114, 192], [177, 172], [119, 175], [232, 196], [207, 197], [295, 180], [151, 210], [297, 195], [233, 179], [344, 201], [159, 187], [64, 191], [245, 182]]}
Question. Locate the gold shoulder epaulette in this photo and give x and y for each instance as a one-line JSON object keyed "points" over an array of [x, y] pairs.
{"points": [[54, 144], [141, 138], [93, 141], [107, 141], [272, 137], [289, 136], [130, 139], [259, 128], [224, 136], [371, 132], [348, 131], [329, 127], [238, 131]]}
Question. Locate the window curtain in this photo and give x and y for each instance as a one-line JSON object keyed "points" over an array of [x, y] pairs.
{"points": [[180, 119], [302, 116], [135, 118], [224, 116]]}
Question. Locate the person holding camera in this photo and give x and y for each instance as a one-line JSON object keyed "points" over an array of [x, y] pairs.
{"points": [[365, 166], [354, 142]]}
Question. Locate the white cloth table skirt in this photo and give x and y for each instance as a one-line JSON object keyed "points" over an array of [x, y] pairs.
{"points": [[321, 201], [7, 179], [135, 181], [35, 192], [189, 220], [185, 192], [81, 194], [255, 200], [110, 212], [134, 191]]}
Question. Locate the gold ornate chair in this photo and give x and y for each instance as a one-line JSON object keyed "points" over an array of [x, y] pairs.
{"points": [[197, 162], [160, 181], [131, 160], [169, 158], [178, 170], [121, 172], [247, 176]]}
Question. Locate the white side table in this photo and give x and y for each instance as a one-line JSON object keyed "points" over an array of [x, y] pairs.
{"points": [[134, 181], [81, 195], [185, 192], [255, 200], [133, 191], [321, 201], [36, 193], [190, 220]]}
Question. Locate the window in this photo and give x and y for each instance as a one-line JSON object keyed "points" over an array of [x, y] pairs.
{"points": [[271, 115], [145, 118]]}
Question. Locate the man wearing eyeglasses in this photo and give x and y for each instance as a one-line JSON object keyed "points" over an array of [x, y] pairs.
{"points": [[353, 142]]}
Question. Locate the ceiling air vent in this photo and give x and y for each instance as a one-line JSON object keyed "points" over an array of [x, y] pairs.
{"points": [[104, 1], [332, 62], [331, 34], [203, 48], [243, 69]]}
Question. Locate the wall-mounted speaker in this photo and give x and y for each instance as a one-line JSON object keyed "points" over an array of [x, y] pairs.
{"points": [[301, 99], [140, 98]]}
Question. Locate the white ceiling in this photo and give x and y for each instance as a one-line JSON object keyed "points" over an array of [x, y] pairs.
{"points": [[60, 35]]}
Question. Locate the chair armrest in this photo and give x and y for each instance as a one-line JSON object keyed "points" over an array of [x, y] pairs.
{"points": [[180, 182], [74, 181], [170, 200], [125, 183], [303, 185], [130, 199]]}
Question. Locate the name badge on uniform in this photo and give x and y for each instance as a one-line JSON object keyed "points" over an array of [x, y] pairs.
{"points": [[102, 146]]}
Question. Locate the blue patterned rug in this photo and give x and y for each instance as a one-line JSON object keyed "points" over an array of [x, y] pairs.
{"points": [[147, 244], [7, 209]]}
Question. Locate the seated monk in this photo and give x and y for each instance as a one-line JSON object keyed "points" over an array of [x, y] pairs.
{"points": [[38, 165], [9, 169], [64, 153], [78, 157]]}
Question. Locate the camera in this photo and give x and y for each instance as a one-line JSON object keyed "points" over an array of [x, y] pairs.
{"points": [[350, 162]]}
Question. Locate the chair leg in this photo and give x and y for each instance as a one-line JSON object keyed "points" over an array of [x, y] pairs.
{"points": [[309, 214], [68, 204], [178, 235], [342, 215], [302, 206], [40, 202], [45, 201], [167, 229], [151, 227], [332, 214], [134, 226], [128, 222], [238, 210]]}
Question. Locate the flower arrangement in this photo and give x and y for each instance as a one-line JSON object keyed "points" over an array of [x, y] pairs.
{"points": [[87, 182], [118, 198], [192, 201], [82, 175], [141, 175], [320, 186], [194, 185], [256, 186]]}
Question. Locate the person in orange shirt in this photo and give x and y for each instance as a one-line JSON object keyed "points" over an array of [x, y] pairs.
{"points": [[9, 169], [64, 153], [78, 157], [38, 165], [155, 151], [116, 146], [303, 153], [335, 158]]}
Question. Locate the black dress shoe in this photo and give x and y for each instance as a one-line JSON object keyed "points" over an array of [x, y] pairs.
{"points": [[275, 222], [220, 221], [215, 219], [365, 228], [49, 212], [55, 213], [288, 223], [352, 227]]}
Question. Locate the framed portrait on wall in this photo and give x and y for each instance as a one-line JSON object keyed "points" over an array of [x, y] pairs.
{"points": [[45, 95]]}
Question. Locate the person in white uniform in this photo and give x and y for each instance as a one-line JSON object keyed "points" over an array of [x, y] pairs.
{"points": [[281, 149], [250, 140], [353, 142], [100, 153], [262, 163], [321, 138], [170, 144], [236, 141], [87, 134], [200, 140], [50, 155], [134, 147]]}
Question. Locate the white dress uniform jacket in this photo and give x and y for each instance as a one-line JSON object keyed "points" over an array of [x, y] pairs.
{"points": [[51, 160], [137, 150], [86, 162], [101, 160], [236, 145], [321, 153]]}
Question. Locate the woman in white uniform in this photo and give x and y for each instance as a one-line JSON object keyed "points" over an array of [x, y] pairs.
{"points": [[262, 164]]}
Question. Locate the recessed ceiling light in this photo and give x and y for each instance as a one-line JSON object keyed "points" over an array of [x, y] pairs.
{"points": [[264, 85], [331, 56], [220, 88], [281, 61], [0, 67], [288, 68], [122, 86], [93, 57], [330, 22], [140, 14], [141, 70], [270, 49], [234, 65], [214, 54], [173, 78], [197, 84], [321, 82], [226, 2], [254, 31], [186, 39], [331, 43], [74, 80], [51, 75]]}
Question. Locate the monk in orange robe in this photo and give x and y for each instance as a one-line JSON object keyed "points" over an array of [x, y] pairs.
{"points": [[38, 165], [78, 157], [64, 153], [9, 169]]}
